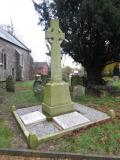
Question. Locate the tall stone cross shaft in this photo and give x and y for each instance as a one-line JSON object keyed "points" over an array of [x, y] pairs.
{"points": [[55, 36]]}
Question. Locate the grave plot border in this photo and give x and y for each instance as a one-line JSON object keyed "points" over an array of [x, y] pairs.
{"points": [[22, 154], [33, 140]]}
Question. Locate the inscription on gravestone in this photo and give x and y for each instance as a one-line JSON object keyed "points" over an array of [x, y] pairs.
{"points": [[70, 119], [33, 117]]}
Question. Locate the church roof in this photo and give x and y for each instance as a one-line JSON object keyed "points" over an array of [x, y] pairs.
{"points": [[12, 39]]}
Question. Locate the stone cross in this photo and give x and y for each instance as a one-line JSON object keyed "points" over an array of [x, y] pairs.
{"points": [[55, 36]]}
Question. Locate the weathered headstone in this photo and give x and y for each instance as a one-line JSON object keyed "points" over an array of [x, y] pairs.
{"points": [[78, 91], [38, 86], [56, 94]]}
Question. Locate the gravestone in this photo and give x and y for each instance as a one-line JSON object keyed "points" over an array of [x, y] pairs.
{"points": [[33, 117], [64, 115], [70, 120], [78, 91], [57, 98], [38, 86]]}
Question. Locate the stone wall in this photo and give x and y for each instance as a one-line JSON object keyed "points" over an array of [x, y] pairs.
{"points": [[11, 64], [12, 154]]}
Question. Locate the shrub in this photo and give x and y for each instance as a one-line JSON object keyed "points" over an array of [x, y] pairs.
{"points": [[45, 79], [77, 80], [10, 84]]}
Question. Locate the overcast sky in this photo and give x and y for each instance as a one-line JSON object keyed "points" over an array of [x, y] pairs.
{"points": [[25, 20]]}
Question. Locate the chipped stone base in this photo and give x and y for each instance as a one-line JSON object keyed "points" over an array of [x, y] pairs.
{"points": [[41, 131]]}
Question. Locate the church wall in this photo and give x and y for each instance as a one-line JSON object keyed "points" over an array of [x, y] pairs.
{"points": [[10, 51]]}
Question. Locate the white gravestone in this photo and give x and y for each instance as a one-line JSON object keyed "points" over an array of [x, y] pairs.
{"points": [[70, 119], [33, 117]]}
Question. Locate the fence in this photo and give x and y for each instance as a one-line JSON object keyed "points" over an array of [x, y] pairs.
{"points": [[20, 154]]}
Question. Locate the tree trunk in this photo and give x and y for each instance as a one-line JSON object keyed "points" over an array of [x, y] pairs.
{"points": [[94, 76]]}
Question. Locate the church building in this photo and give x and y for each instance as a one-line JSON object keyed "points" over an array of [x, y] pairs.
{"points": [[15, 58]]}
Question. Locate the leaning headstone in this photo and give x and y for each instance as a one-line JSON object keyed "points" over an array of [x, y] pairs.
{"points": [[57, 98]]}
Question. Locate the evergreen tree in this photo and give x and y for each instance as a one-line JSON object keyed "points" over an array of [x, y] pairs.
{"points": [[92, 31]]}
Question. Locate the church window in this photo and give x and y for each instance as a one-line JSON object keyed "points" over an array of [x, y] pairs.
{"points": [[13, 72], [2, 57], [5, 64]]}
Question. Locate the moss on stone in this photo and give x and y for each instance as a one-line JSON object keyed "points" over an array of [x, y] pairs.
{"points": [[33, 141]]}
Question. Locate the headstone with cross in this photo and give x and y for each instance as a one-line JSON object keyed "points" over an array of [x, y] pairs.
{"points": [[54, 35], [56, 93]]}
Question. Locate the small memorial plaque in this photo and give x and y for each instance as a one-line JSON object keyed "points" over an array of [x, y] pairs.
{"points": [[33, 117], [71, 119]]}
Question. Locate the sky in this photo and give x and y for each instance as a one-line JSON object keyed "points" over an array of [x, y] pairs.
{"points": [[25, 21]]}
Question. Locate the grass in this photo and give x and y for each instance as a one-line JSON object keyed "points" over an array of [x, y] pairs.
{"points": [[103, 104], [23, 96], [103, 139], [5, 135], [116, 83], [100, 139]]}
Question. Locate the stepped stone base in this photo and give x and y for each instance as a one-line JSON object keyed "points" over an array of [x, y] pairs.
{"points": [[57, 110], [57, 99]]}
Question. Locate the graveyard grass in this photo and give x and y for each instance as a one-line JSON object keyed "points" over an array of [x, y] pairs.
{"points": [[5, 134], [100, 139], [24, 95], [103, 138]]}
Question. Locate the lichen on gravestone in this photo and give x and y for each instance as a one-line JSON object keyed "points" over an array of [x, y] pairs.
{"points": [[56, 93], [54, 35]]}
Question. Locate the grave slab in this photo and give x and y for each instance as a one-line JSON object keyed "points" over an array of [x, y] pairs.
{"points": [[70, 119], [33, 117]]}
